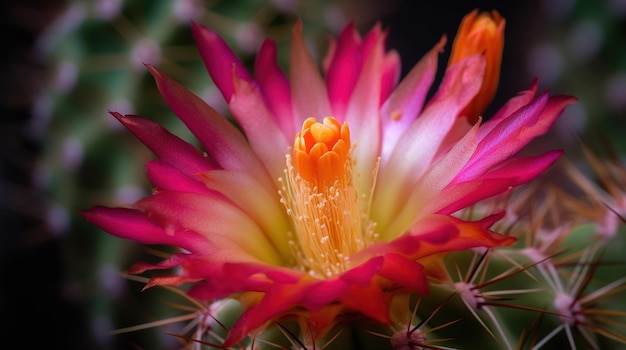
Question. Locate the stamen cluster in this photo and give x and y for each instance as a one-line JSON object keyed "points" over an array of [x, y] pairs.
{"points": [[322, 199]]}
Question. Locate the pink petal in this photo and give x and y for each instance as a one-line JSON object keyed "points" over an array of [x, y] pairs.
{"points": [[325, 292], [330, 54], [418, 146], [168, 147], [276, 301], [522, 99], [513, 172], [391, 74], [467, 234], [172, 261], [369, 301], [218, 274], [427, 190], [217, 283], [134, 225], [308, 90], [344, 69], [513, 133], [265, 138], [189, 264], [220, 61], [374, 37], [461, 195], [362, 274], [406, 101], [219, 221], [470, 71], [523, 169], [275, 87], [555, 106], [172, 280], [503, 141], [223, 277], [166, 177], [438, 234], [404, 272], [219, 137], [375, 40], [271, 216], [363, 114]]}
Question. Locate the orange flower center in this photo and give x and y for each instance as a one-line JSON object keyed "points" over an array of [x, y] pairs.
{"points": [[322, 199], [320, 151]]}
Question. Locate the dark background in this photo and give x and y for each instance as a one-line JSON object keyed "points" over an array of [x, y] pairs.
{"points": [[35, 311]]}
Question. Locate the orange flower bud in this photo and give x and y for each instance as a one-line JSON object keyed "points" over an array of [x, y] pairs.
{"points": [[481, 33]]}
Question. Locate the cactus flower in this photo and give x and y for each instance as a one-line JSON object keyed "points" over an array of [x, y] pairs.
{"points": [[338, 188]]}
